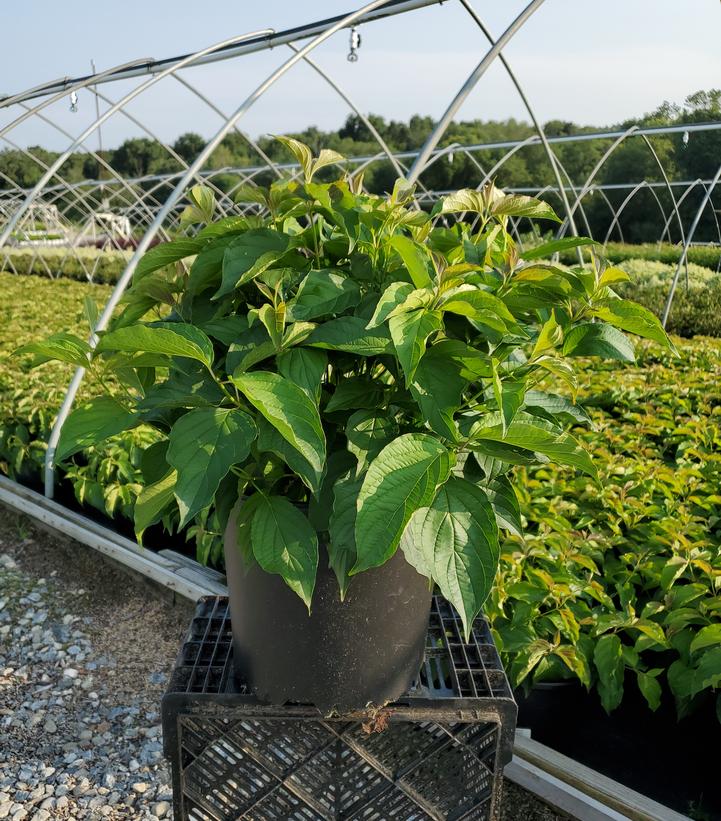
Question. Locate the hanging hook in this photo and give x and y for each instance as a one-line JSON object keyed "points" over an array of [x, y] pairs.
{"points": [[355, 41], [73, 101]]}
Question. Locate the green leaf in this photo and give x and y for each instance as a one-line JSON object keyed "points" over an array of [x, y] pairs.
{"points": [[509, 396], [410, 332], [285, 543], [556, 245], [322, 293], [342, 547], [480, 306], [516, 205], [708, 672], [549, 337], [467, 199], [289, 409], [505, 505], [249, 255], [326, 157], [557, 406], [355, 393], [153, 462], [415, 258], [456, 539], [62, 347], [402, 478], [650, 688], [204, 444], [243, 529], [575, 662], [305, 367], [598, 339], [273, 319], [167, 253], [634, 318], [271, 440], [612, 275], [320, 505], [708, 636], [92, 423], [474, 363], [301, 152], [531, 433], [368, 432], [608, 658], [203, 200], [348, 333], [170, 338], [393, 296], [528, 658], [207, 268], [437, 387], [226, 329], [152, 502]]}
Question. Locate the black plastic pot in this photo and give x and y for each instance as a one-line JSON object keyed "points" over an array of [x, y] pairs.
{"points": [[346, 655]]}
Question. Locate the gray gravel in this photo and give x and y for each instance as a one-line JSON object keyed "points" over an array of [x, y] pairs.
{"points": [[80, 723], [85, 651]]}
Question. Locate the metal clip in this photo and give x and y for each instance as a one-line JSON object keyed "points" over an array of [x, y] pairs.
{"points": [[355, 41]]}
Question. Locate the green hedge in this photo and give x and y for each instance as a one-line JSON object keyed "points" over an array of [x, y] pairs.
{"points": [[71, 263], [706, 255]]}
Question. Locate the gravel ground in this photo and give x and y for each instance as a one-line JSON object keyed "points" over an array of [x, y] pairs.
{"points": [[85, 651]]}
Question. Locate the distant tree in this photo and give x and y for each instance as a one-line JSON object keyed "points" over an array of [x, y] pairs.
{"points": [[137, 157], [189, 145]]}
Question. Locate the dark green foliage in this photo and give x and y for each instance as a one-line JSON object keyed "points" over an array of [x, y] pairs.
{"points": [[625, 576]]}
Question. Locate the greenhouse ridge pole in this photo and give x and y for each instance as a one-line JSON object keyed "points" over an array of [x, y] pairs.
{"points": [[442, 125], [264, 40]]}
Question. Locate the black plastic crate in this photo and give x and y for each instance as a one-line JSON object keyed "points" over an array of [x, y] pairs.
{"points": [[436, 753]]}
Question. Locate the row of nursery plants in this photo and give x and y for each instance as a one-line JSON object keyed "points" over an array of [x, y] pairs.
{"points": [[619, 586], [82, 263], [708, 256], [449, 347]]}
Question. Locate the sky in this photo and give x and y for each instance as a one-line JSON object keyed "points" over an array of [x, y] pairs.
{"points": [[585, 61]]}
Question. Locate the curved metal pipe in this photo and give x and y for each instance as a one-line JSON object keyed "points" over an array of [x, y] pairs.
{"points": [[106, 115], [442, 125], [684, 253], [536, 124]]}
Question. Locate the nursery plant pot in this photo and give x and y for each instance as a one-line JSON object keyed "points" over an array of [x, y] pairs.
{"points": [[346, 655]]}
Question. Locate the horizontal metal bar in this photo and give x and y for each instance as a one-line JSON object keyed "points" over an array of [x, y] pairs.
{"points": [[84, 530], [262, 43], [577, 780]]}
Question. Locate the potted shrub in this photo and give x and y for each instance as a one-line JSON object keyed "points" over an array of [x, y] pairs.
{"points": [[346, 380]]}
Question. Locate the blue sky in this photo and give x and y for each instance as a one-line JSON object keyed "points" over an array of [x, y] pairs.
{"points": [[582, 60]]}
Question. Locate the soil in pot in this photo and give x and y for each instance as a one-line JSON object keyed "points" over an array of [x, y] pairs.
{"points": [[366, 650]]}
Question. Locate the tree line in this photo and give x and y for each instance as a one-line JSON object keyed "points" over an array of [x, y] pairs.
{"points": [[684, 157]]}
